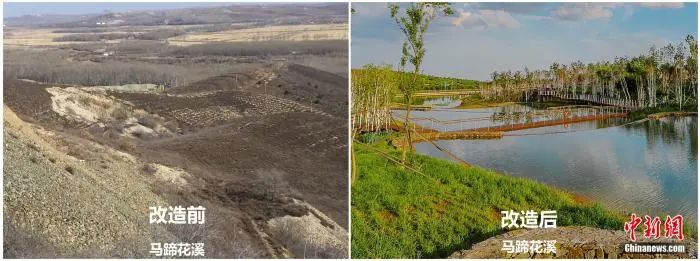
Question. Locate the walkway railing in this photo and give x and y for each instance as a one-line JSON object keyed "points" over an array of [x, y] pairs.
{"points": [[629, 104]]}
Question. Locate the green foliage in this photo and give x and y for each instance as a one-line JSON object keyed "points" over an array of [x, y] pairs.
{"points": [[666, 74], [413, 24], [372, 88], [445, 83], [397, 213], [643, 113], [430, 82], [372, 137]]}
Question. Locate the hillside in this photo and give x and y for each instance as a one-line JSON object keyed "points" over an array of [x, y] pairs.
{"points": [[48, 186], [263, 151], [431, 82], [238, 13]]}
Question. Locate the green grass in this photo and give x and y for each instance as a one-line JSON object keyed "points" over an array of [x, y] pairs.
{"points": [[398, 213], [542, 105], [643, 113], [440, 83], [430, 82]]}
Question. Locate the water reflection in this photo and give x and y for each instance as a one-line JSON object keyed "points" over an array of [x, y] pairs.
{"points": [[649, 167], [441, 102], [671, 131], [446, 116]]}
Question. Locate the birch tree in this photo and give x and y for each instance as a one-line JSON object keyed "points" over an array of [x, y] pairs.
{"points": [[414, 23]]}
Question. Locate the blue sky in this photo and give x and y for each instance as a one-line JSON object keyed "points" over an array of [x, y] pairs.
{"points": [[482, 37], [20, 9]]}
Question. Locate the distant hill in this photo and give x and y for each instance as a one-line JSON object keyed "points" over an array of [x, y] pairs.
{"points": [[43, 20], [270, 14], [431, 82]]}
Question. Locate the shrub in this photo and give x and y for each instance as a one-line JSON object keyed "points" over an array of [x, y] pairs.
{"points": [[120, 113], [90, 37]]}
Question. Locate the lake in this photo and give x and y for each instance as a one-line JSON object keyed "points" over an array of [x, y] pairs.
{"points": [[646, 167]]}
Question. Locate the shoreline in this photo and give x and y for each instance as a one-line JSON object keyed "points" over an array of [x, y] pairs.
{"points": [[589, 213], [450, 199]]}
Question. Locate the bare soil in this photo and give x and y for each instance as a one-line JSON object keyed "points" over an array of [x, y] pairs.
{"points": [[249, 146]]}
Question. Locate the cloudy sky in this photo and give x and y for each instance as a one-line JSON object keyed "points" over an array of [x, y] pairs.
{"points": [[482, 37]]}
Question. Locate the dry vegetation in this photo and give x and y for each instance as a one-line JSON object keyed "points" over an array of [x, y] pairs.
{"points": [[57, 66], [84, 60], [31, 37], [234, 125], [271, 33]]}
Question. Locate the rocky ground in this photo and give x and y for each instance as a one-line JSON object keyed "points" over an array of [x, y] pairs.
{"points": [[264, 150], [574, 242], [57, 204]]}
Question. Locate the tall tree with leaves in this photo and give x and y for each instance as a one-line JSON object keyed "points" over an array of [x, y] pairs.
{"points": [[413, 24], [692, 63]]}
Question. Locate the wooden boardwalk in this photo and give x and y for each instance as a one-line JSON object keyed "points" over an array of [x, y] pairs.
{"points": [[421, 134], [495, 132], [449, 135], [627, 104], [530, 125], [446, 93]]}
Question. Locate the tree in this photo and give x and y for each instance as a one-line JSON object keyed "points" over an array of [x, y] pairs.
{"points": [[413, 24], [372, 89], [658, 78], [692, 63]]}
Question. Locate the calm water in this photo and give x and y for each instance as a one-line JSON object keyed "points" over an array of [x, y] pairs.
{"points": [[446, 116], [649, 167]]}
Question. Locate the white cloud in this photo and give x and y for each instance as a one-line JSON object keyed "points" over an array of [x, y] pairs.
{"points": [[516, 8], [584, 11], [455, 48], [672, 5], [483, 19]]}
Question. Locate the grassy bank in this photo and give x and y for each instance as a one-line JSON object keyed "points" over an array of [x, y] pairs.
{"points": [[397, 212], [430, 82], [644, 113], [477, 102]]}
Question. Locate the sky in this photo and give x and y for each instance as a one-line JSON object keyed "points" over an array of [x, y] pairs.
{"points": [[480, 38], [20, 9]]}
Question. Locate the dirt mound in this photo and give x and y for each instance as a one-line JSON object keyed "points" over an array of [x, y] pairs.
{"points": [[49, 200], [53, 178], [574, 242], [322, 90], [311, 233], [304, 85], [322, 76], [248, 154], [29, 98], [309, 154], [31, 101]]}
